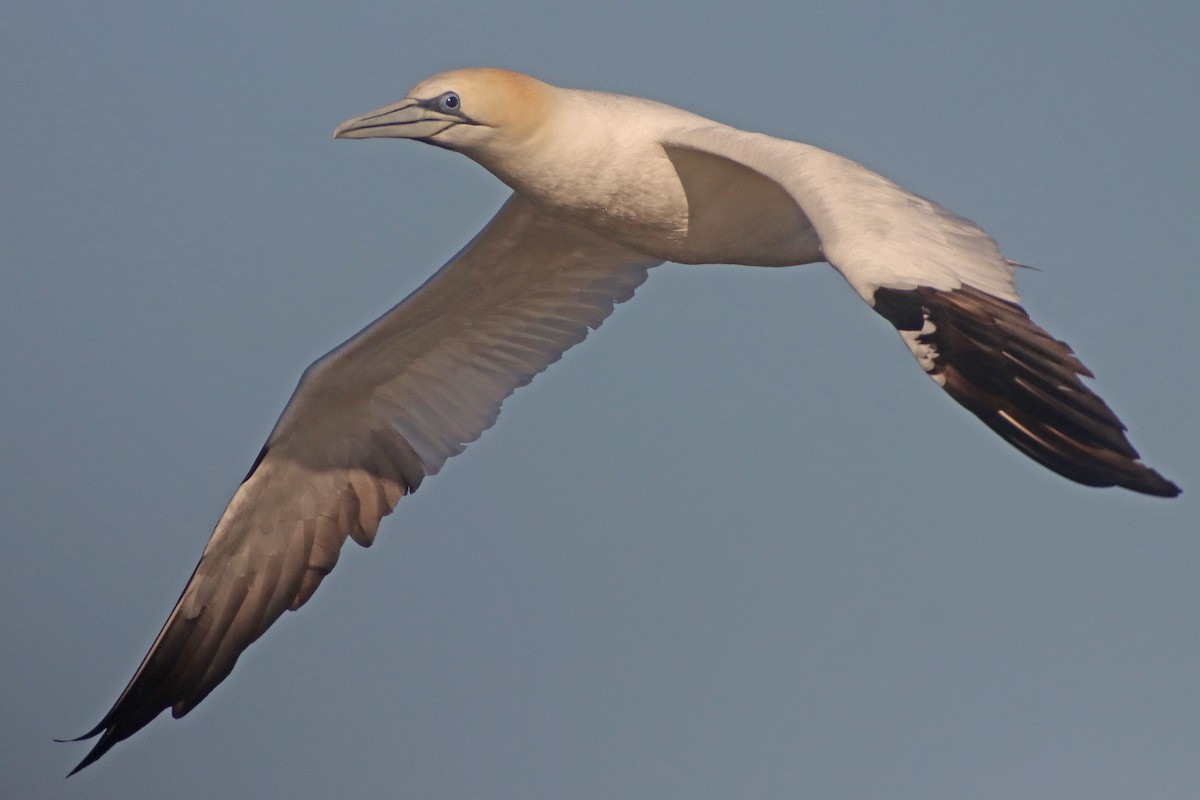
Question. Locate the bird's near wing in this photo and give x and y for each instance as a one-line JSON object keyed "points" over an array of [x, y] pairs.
{"points": [[366, 424], [941, 281]]}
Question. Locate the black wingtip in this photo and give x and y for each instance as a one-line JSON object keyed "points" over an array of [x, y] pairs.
{"points": [[90, 758], [91, 734], [130, 714], [1152, 483], [1021, 382], [99, 749]]}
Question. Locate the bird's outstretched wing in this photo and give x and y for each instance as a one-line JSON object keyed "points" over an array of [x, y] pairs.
{"points": [[366, 424], [941, 281]]}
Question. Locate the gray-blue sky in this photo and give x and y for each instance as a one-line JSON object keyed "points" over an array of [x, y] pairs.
{"points": [[735, 545]]}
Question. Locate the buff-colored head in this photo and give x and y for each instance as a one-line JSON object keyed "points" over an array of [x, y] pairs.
{"points": [[465, 110]]}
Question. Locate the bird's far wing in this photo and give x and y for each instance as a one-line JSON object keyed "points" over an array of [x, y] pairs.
{"points": [[941, 281], [366, 424]]}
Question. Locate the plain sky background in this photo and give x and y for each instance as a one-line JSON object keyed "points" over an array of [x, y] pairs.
{"points": [[736, 545]]}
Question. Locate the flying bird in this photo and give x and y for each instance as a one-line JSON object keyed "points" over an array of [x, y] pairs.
{"points": [[605, 187]]}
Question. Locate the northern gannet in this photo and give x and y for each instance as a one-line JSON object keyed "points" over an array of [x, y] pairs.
{"points": [[604, 188]]}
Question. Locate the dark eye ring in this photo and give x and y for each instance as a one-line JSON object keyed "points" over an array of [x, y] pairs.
{"points": [[449, 102]]}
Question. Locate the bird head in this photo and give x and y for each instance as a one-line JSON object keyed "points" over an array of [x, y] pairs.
{"points": [[470, 110]]}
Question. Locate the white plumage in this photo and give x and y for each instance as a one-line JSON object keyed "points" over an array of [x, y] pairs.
{"points": [[605, 187]]}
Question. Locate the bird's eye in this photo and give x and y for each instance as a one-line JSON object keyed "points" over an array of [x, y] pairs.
{"points": [[449, 102]]}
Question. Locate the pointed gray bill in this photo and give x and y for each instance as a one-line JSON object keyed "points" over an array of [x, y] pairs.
{"points": [[407, 119]]}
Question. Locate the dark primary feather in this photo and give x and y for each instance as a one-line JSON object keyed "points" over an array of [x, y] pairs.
{"points": [[1023, 383]]}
